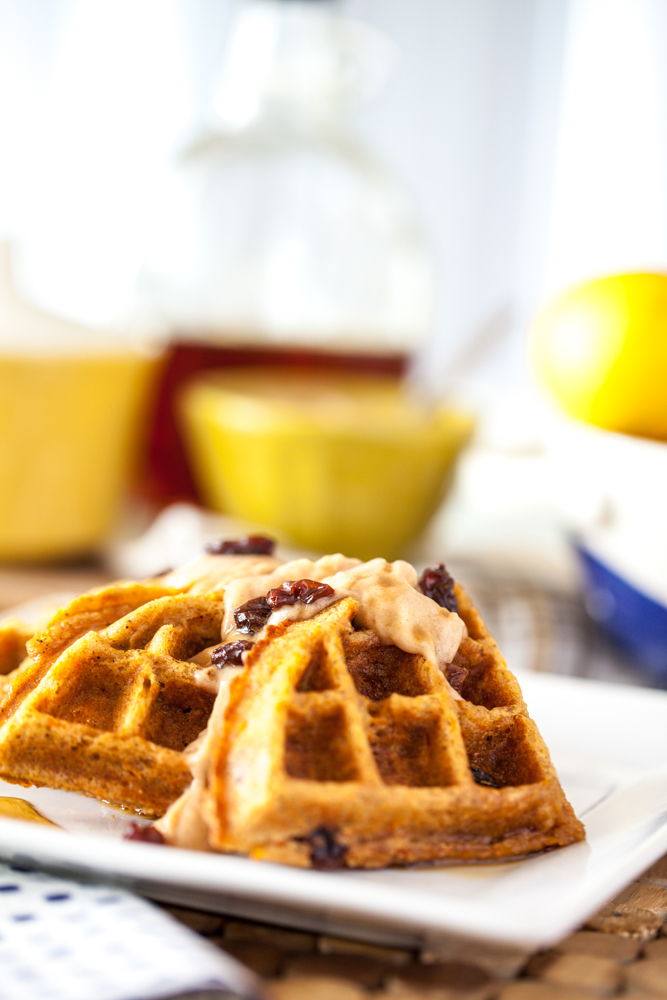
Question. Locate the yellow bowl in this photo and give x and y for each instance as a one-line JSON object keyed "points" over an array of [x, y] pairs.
{"points": [[69, 429], [334, 462]]}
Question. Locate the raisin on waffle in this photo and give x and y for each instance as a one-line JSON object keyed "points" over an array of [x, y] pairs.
{"points": [[337, 751], [109, 701]]}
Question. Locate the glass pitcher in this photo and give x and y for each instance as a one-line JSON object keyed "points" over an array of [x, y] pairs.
{"points": [[283, 237], [281, 226]]}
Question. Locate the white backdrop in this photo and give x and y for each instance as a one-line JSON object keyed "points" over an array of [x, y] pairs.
{"points": [[531, 134]]}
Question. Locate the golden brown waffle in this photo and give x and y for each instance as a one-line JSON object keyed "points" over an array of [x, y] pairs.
{"points": [[109, 701], [14, 634], [91, 611], [336, 750]]}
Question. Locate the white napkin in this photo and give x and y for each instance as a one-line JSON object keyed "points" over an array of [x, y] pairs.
{"points": [[62, 940]]}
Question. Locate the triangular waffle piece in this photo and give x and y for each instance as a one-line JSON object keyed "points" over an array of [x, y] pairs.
{"points": [[336, 751], [110, 701]]}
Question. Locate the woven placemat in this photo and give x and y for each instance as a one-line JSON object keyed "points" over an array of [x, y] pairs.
{"points": [[621, 951]]}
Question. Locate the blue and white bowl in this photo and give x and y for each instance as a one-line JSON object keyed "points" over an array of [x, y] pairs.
{"points": [[629, 617], [623, 550]]}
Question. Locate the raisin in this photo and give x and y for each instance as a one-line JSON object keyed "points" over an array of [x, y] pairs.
{"points": [[326, 854], [252, 616], [251, 545], [292, 591], [146, 834], [437, 584], [482, 778], [231, 652], [456, 676]]}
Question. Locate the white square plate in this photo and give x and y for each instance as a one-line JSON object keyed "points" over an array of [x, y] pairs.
{"points": [[608, 744]]}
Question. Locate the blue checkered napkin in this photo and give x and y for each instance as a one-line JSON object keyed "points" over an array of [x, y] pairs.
{"points": [[60, 940]]}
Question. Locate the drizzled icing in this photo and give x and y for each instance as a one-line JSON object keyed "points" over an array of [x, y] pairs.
{"points": [[183, 823], [207, 573], [245, 589], [398, 613], [390, 605], [208, 676]]}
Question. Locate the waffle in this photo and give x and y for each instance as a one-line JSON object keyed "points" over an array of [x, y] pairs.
{"points": [[14, 635], [108, 701], [333, 750]]}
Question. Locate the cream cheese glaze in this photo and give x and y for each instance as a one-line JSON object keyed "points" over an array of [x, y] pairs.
{"points": [[245, 589], [390, 605], [184, 823], [207, 573], [398, 613]]}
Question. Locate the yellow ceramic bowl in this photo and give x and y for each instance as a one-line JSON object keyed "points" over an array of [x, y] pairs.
{"points": [[69, 428], [334, 462]]}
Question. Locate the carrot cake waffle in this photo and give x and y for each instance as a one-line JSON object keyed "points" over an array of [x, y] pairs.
{"points": [[14, 636], [366, 718], [322, 714]]}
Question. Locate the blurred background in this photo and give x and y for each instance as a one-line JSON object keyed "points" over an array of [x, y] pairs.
{"points": [[377, 276]]}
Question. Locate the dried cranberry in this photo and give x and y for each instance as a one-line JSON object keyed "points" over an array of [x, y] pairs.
{"points": [[326, 854], [252, 616], [437, 584], [252, 545], [482, 778], [291, 591], [231, 652], [147, 834]]}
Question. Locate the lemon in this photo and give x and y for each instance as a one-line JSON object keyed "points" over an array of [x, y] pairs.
{"points": [[601, 349]]}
